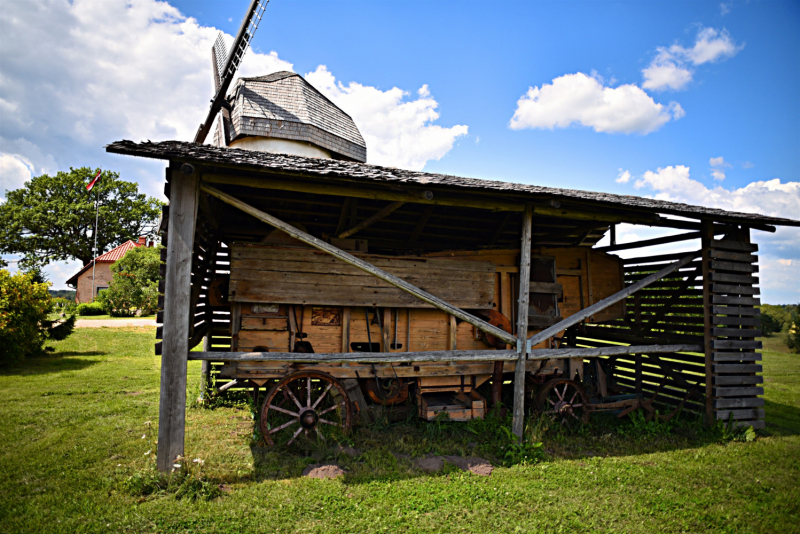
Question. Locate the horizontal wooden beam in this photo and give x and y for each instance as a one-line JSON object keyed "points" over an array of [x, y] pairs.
{"points": [[385, 212], [361, 264], [348, 190], [650, 242], [361, 357], [609, 301], [549, 354]]}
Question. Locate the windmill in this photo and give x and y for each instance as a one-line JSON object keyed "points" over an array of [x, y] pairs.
{"points": [[279, 112], [225, 65]]}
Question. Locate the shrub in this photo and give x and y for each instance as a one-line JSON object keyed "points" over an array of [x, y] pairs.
{"points": [[134, 285], [24, 307], [90, 308], [793, 340], [769, 324]]}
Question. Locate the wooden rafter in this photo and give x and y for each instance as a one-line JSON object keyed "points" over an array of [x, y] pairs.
{"points": [[385, 212], [423, 221]]}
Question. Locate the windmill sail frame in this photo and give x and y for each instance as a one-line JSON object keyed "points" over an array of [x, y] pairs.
{"points": [[224, 76]]}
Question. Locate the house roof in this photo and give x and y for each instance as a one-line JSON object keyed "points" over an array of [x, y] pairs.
{"points": [[284, 105], [109, 257], [362, 172]]}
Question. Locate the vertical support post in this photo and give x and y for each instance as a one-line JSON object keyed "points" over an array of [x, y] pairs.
{"points": [[522, 321], [452, 334], [346, 329], [205, 366], [613, 234], [172, 400], [638, 373], [706, 238]]}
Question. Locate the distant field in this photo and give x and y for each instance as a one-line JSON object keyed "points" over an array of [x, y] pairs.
{"points": [[78, 423]]}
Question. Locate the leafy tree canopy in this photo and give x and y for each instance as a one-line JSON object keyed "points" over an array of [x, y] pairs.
{"points": [[52, 218], [134, 284]]}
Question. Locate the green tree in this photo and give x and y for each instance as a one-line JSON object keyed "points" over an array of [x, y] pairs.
{"points": [[134, 283], [52, 218], [793, 340], [24, 325]]}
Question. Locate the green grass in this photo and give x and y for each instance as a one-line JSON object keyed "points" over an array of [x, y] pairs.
{"points": [[77, 424], [103, 317]]}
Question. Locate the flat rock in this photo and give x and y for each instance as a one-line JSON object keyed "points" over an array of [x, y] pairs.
{"points": [[323, 471], [474, 465], [429, 464], [352, 452]]}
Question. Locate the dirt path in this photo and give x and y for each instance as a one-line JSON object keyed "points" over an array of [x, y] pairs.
{"points": [[113, 323]]}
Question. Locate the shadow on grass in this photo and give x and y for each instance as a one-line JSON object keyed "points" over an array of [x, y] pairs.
{"points": [[782, 419], [51, 363]]}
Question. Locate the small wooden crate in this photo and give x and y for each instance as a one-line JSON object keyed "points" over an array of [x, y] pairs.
{"points": [[458, 406]]}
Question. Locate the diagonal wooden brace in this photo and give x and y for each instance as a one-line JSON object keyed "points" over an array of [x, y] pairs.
{"points": [[361, 264], [613, 299]]}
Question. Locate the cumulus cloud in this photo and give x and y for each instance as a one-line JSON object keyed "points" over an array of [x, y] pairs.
{"points": [[15, 170], [717, 166], [78, 74], [623, 177], [398, 130], [780, 252], [671, 66], [584, 100], [724, 8]]}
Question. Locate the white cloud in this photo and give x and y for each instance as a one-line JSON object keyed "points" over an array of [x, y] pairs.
{"points": [[15, 170], [718, 162], [581, 99], [780, 251], [718, 174], [669, 69], [724, 8], [665, 72], [398, 131], [747, 165], [623, 177], [79, 74]]}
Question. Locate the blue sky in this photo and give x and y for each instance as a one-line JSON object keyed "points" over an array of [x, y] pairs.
{"points": [[720, 126]]}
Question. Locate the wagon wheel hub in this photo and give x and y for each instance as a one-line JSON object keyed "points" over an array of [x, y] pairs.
{"points": [[308, 418], [564, 408]]}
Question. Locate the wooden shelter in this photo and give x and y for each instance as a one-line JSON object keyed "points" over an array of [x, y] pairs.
{"points": [[382, 285]]}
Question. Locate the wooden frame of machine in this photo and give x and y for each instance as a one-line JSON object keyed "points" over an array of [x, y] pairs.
{"points": [[331, 287]]}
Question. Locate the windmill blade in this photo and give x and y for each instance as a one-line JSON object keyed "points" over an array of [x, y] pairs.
{"points": [[218, 57], [224, 75]]}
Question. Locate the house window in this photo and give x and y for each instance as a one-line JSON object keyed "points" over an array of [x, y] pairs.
{"points": [[98, 289]]}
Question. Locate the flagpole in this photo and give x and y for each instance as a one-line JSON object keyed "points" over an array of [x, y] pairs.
{"points": [[94, 256]]}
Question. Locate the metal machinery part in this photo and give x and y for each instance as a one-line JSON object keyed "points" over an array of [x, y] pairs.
{"points": [[564, 400], [307, 402]]}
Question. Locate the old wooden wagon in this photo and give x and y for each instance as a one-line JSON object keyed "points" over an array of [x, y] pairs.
{"points": [[335, 285]]}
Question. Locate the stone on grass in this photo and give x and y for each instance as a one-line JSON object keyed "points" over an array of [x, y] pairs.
{"points": [[352, 452], [323, 471], [430, 464], [476, 466]]}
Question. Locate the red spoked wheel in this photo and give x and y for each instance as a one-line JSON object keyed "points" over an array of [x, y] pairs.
{"points": [[306, 404], [563, 400]]}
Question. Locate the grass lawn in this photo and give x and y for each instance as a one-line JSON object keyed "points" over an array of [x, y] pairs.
{"points": [[76, 425]]}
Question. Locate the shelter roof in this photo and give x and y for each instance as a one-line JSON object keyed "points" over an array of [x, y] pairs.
{"points": [[362, 172]]}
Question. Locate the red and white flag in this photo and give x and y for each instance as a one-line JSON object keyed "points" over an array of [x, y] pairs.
{"points": [[94, 181]]}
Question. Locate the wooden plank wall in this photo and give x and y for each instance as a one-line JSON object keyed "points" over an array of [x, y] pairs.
{"points": [[306, 276], [733, 326], [668, 311]]}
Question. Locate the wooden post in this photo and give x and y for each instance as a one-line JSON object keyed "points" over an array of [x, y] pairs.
{"points": [[638, 373], [452, 334], [205, 367], [707, 236], [172, 401], [522, 321], [346, 329]]}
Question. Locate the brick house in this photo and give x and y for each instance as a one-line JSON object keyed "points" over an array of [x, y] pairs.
{"points": [[82, 280]]}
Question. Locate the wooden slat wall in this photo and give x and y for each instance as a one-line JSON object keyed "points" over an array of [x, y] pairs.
{"points": [[668, 311], [734, 318], [303, 276]]}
